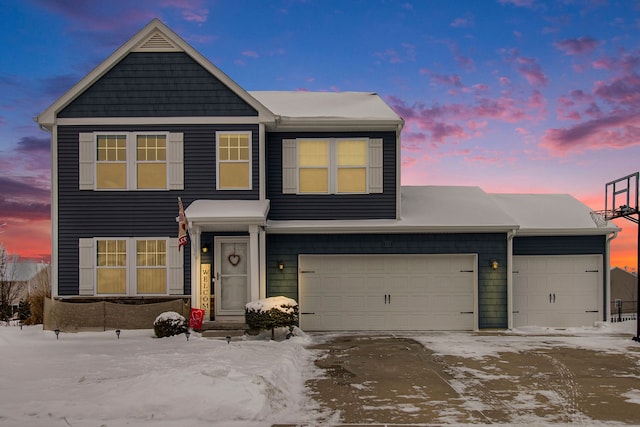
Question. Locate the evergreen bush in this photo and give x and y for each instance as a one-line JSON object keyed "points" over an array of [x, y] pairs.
{"points": [[170, 323], [271, 313]]}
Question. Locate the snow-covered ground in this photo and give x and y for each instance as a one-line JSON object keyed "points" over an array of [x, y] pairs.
{"points": [[95, 379]]}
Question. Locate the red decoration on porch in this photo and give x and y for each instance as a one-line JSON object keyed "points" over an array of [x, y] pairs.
{"points": [[195, 318]]}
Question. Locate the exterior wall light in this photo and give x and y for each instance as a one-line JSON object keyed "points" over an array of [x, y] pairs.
{"points": [[281, 265], [494, 264], [205, 248]]}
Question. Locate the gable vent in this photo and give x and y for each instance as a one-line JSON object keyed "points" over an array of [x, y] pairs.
{"points": [[157, 42]]}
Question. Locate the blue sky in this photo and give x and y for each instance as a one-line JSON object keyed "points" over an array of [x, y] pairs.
{"points": [[532, 96]]}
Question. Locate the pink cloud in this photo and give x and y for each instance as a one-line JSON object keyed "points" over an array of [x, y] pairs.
{"points": [[393, 56], [250, 54], [532, 71], [612, 131], [518, 3], [462, 22], [579, 46], [624, 91]]}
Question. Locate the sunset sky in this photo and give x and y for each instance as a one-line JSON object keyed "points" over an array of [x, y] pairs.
{"points": [[513, 96]]}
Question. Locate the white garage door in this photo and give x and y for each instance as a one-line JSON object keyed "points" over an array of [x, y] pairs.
{"points": [[387, 292], [557, 291]]}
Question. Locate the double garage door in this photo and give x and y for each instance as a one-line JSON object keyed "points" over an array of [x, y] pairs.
{"points": [[387, 292], [557, 291]]}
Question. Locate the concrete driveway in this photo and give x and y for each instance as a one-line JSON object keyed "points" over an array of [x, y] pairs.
{"points": [[386, 379]]}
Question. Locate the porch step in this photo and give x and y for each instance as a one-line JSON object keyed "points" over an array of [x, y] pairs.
{"points": [[220, 329]]}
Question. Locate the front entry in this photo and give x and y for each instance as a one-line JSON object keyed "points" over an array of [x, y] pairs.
{"points": [[232, 275]]}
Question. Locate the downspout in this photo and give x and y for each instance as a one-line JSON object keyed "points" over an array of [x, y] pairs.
{"points": [[607, 275], [510, 236]]}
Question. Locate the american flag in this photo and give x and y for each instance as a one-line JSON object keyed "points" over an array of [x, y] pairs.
{"points": [[183, 224]]}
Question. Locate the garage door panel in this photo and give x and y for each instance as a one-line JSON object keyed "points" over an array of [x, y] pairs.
{"points": [[377, 292], [557, 291]]}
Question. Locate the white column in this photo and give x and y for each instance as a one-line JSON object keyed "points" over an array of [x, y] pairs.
{"points": [[254, 265], [263, 262], [194, 233]]}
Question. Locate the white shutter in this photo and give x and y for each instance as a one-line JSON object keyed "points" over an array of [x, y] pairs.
{"points": [[375, 166], [87, 256], [175, 161], [87, 157], [289, 166], [175, 262]]}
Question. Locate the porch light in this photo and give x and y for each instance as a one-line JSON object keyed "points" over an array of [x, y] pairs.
{"points": [[118, 333], [494, 264], [187, 334], [57, 332], [205, 248], [280, 265]]}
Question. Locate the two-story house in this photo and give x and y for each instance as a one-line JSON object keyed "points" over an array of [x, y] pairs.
{"points": [[295, 194]]}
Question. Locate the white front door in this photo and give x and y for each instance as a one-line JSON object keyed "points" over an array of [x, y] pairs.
{"points": [[232, 275]]}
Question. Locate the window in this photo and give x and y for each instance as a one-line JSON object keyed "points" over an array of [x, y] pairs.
{"points": [[151, 266], [332, 166], [111, 167], [233, 166], [111, 266], [151, 161], [131, 161], [130, 266]]}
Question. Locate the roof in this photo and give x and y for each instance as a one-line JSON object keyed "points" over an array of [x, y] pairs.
{"points": [[23, 271], [154, 37], [221, 213], [459, 209], [438, 209], [293, 109], [550, 214]]}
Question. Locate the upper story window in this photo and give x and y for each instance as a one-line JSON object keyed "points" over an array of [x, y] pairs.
{"points": [[233, 165], [131, 161], [332, 166]]}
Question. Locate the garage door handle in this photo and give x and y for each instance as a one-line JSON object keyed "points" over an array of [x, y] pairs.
{"points": [[554, 298], [466, 312], [466, 271], [591, 271], [592, 311], [306, 313], [387, 298], [307, 271]]}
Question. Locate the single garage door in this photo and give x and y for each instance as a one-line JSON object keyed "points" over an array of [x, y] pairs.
{"points": [[557, 291], [387, 292]]}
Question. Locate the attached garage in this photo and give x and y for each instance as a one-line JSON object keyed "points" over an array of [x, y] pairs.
{"points": [[388, 292], [557, 291]]}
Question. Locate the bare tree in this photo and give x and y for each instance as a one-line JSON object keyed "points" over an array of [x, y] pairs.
{"points": [[9, 288]]}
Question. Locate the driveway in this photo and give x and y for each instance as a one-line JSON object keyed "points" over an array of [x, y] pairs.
{"points": [[380, 379]]}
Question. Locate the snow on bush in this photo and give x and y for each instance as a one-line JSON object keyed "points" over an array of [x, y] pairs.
{"points": [[169, 323], [271, 313]]}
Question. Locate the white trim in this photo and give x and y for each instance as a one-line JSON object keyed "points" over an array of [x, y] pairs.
{"points": [[262, 162], [254, 263], [133, 149], [262, 238], [205, 120], [54, 212], [249, 161], [398, 173], [510, 236]]}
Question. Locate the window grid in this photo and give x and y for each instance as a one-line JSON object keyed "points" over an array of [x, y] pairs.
{"points": [[152, 148], [112, 148], [233, 165]]}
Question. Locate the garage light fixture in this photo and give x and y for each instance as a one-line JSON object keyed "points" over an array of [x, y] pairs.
{"points": [[494, 264], [280, 265]]}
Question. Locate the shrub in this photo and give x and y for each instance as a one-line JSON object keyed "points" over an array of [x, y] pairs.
{"points": [[271, 313], [169, 323]]}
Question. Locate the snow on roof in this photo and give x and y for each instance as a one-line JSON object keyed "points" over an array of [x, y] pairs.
{"points": [[295, 107], [225, 211], [550, 214], [424, 209]]}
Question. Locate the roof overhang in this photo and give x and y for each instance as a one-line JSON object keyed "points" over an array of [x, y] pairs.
{"points": [[233, 215], [376, 227]]}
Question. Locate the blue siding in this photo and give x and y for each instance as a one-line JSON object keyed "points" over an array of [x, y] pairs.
{"points": [[365, 206], [157, 84], [492, 285], [135, 213], [559, 245]]}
